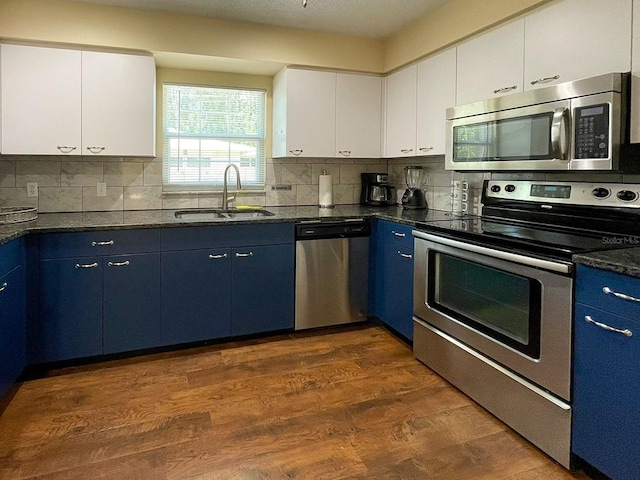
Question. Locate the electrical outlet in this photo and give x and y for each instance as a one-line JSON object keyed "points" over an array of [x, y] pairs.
{"points": [[102, 189], [32, 189]]}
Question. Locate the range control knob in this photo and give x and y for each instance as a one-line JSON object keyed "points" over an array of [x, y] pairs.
{"points": [[601, 192], [495, 188], [510, 188], [627, 195]]}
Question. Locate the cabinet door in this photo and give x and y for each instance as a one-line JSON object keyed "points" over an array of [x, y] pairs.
{"points": [[491, 65], [436, 93], [196, 295], [118, 104], [396, 306], [400, 124], [262, 283], [606, 411], [12, 328], [573, 39], [131, 302], [70, 308], [40, 90], [358, 115], [309, 124]]}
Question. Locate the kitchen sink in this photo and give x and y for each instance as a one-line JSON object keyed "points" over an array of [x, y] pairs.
{"points": [[202, 215]]}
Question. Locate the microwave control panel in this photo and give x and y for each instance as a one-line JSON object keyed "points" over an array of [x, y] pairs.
{"points": [[591, 126]]}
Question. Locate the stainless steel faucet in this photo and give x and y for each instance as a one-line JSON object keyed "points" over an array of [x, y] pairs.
{"points": [[226, 198]]}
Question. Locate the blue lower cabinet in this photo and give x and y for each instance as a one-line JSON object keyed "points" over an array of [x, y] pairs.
{"points": [[262, 282], [12, 328], [196, 295], [70, 309], [395, 297], [606, 382], [131, 302]]}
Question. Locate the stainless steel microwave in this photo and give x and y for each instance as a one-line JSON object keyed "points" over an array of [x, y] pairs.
{"points": [[578, 125]]}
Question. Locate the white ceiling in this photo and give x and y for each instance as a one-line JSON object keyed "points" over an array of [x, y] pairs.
{"points": [[366, 18]]}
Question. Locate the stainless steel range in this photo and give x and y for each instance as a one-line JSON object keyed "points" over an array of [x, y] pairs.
{"points": [[493, 296]]}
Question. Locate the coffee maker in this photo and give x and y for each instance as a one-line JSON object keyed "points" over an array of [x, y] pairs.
{"points": [[415, 178], [376, 190]]}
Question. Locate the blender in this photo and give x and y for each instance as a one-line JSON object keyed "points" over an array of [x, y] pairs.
{"points": [[415, 177]]}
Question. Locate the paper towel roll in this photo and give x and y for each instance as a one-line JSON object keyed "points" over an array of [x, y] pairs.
{"points": [[325, 191]]}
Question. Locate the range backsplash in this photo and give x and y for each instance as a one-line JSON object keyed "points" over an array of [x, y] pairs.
{"points": [[68, 184]]}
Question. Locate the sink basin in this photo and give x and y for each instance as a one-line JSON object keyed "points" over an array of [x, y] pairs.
{"points": [[203, 215]]}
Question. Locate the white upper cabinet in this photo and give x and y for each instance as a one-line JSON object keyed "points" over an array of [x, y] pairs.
{"points": [[72, 102], [304, 113], [118, 104], [436, 93], [358, 115], [635, 72], [572, 39], [491, 65], [40, 102], [400, 114]]}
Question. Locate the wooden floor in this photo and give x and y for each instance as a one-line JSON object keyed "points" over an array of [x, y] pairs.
{"points": [[351, 404]]}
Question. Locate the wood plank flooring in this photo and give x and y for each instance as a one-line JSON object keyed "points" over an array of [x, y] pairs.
{"points": [[344, 404]]}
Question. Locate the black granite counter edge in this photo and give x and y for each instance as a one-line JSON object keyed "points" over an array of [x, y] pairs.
{"points": [[625, 261], [140, 219]]}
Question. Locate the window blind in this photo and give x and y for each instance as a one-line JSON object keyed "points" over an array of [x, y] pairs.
{"points": [[208, 128]]}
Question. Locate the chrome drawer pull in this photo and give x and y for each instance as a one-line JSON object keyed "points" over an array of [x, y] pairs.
{"points": [[65, 148], [4, 287], [216, 257], [102, 244], [87, 265], [505, 89], [96, 149], [250, 254], [346, 153], [398, 234], [406, 150], [623, 296], [405, 255], [119, 264], [545, 80], [425, 149], [626, 332], [296, 151]]}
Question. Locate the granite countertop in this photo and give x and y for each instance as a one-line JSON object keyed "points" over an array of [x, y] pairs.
{"points": [[625, 260], [85, 221]]}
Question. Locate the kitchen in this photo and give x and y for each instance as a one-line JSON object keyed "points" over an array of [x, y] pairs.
{"points": [[135, 184]]}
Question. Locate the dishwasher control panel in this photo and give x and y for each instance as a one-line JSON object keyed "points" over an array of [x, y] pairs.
{"points": [[342, 229]]}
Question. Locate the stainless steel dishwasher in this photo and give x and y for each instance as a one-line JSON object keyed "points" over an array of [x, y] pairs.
{"points": [[332, 263]]}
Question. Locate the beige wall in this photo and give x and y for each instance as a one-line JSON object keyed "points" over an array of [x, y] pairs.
{"points": [[66, 21]]}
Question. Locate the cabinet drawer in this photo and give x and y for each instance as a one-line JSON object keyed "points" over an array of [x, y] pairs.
{"points": [[194, 238], [101, 242], [608, 291], [397, 233]]}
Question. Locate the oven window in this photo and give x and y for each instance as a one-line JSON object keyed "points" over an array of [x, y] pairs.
{"points": [[520, 138], [499, 304]]}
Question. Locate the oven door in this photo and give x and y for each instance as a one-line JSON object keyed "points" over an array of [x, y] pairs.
{"points": [[514, 309], [526, 138]]}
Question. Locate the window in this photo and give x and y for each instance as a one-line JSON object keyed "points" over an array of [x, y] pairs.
{"points": [[208, 128]]}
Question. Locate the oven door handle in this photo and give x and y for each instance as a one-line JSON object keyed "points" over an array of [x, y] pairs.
{"points": [[489, 252], [560, 133]]}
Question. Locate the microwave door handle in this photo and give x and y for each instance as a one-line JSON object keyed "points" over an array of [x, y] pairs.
{"points": [[560, 133]]}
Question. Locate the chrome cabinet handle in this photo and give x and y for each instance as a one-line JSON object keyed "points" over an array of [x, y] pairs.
{"points": [[406, 150], [96, 149], [560, 133], [622, 296], [398, 234], [405, 255], [216, 257], [119, 264], [626, 332], [545, 79], [87, 265], [239, 255], [102, 244], [505, 89], [425, 149], [346, 153], [65, 148], [296, 151], [4, 286]]}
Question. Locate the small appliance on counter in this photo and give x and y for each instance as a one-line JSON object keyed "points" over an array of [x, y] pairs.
{"points": [[415, 177], [376, 190]]}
